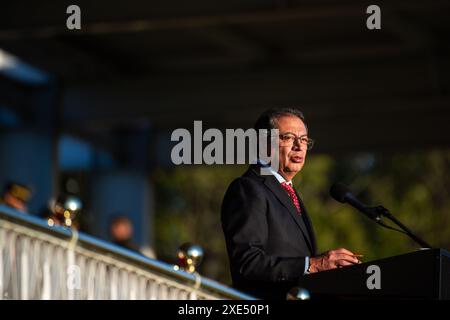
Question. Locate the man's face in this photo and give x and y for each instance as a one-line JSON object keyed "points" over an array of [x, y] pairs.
{"points": [[292, 153], [122, 230]]}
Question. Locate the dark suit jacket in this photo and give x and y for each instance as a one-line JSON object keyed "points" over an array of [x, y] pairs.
{"points": [[267, 240]]}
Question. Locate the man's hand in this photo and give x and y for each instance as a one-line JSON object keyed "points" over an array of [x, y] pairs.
{"points": [[332, 259]]}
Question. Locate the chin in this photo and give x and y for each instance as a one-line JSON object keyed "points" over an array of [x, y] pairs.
{"points": [[294, 168]]}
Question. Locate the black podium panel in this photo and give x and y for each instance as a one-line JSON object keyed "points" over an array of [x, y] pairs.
{"points": [[423, 274]]}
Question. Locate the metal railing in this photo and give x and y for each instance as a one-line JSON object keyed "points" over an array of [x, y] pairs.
{"points": [[42, 262]]}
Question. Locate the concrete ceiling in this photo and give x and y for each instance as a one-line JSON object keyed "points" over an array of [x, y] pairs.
{"points": [[165, 64]]}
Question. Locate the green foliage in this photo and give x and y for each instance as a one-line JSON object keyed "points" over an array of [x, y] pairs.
{"points": [[188, 210], [414, 187]]}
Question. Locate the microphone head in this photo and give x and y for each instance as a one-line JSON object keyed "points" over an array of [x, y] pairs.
{"points": [[339, 192]]}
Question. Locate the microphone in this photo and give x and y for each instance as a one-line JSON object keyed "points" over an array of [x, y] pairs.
{"points": [[341, 193]]}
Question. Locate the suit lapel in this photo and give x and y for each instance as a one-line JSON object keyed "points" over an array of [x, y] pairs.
{"points": [[309, 226], [272, 183]]}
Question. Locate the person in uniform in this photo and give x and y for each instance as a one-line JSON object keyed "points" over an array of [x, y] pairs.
{"points": [[17, 196]]}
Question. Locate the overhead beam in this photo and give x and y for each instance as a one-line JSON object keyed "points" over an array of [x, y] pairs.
{"points": [[268, 86], [309, 13], [232, 43]]}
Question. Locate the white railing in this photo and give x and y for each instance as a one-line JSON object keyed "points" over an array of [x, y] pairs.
{"points": [[41, 262]]}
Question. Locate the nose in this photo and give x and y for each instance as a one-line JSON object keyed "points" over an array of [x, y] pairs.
{"points": [[297, 146]]}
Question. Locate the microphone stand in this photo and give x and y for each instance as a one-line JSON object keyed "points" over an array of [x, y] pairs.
{"points": [[379, 211]]}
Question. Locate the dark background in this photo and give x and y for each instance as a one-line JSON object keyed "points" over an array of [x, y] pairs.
{"points": [[90, 111]]}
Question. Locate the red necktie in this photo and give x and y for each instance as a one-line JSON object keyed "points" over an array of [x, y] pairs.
{"points": [[291, 192]]}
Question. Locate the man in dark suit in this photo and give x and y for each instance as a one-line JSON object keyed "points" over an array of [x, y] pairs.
{"points": [[269, 235]]}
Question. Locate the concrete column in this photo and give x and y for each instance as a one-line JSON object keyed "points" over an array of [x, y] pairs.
{"points": [[28, 157]]}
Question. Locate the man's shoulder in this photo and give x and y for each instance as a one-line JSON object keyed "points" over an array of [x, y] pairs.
{"points": [[251, 176], [249, 183], [248, 187]]}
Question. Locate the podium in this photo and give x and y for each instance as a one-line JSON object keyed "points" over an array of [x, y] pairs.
{"points": [[423, 274]]}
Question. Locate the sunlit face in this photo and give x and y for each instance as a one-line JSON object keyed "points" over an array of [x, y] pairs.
{"points": [[122, 230], [292, 155], [15, 203]]}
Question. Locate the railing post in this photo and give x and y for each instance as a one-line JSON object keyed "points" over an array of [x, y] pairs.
{"points": [[24, 268]]}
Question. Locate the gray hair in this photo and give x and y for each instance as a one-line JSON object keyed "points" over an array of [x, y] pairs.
{"points": [[268, 119]]}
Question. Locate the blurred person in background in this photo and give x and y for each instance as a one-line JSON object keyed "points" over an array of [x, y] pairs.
{"points": [[121, 232], [17, 196]]}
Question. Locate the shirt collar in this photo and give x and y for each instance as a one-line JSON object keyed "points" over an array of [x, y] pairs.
{"points": [[276, 174]]}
